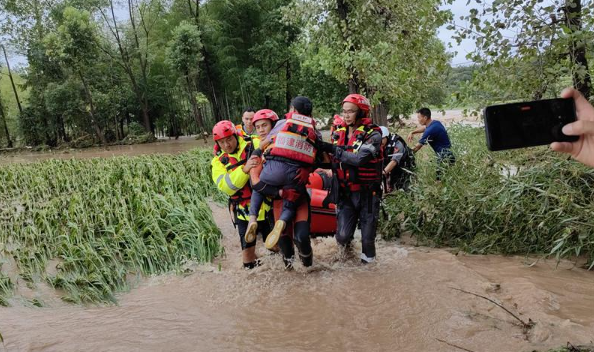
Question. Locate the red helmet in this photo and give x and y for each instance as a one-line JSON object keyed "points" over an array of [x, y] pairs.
{"points": [[264, 114], [359, 100], [338, 121], [223, 129]]}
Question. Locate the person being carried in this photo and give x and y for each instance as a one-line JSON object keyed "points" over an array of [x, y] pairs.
{"points": [[289, 159], [399, 161], [436, 135]]}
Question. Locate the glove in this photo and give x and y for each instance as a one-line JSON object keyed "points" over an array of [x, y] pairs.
{"points": [[302, 176], [328, 147], [290, 194]]}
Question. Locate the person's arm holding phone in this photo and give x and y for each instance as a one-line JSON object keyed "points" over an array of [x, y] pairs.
{"points": [[581, 150]]}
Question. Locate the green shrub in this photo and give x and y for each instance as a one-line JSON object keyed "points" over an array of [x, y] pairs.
{"points": [[513, 202]]}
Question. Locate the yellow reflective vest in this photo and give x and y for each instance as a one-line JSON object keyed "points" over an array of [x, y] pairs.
{"points": [[243, 133], [228, 176]]}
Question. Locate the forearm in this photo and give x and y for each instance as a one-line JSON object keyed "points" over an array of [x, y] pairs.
{"points": [[418, 130], [417, 147], [353, 159], [391, 165]]}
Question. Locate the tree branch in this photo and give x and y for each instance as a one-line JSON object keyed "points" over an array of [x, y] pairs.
{"points": [[525, 325]]}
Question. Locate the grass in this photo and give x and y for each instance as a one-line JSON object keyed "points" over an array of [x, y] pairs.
{"points": [[513, 202], [103, 219]]}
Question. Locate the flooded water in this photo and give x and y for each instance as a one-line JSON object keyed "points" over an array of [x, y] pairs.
{"points": [[163, 146], [407, 301]]}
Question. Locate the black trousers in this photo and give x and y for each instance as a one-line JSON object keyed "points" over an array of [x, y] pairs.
{"points": [[359, 206]]}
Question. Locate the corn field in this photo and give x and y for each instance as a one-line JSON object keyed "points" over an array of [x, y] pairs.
{"points": [[513, 202], [104, 219]]}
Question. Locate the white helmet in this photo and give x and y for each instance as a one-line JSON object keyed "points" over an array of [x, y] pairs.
{"points": [[385, 131]]}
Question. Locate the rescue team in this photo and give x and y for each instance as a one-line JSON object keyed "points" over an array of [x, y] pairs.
{"points": [[264, 164]]}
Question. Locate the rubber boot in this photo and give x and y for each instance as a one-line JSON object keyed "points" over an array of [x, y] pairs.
{"points": [[306, 260]]}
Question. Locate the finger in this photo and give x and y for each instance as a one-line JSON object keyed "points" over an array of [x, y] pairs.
{"points": [[579, 128], [584, 109], [563, 147]]}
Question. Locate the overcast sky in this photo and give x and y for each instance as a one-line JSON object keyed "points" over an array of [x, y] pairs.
{"points": [[458, 8]]}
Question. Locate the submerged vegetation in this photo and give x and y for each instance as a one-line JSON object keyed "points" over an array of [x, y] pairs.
{"points": [[101, 220], [513, 202], [85, 226]]}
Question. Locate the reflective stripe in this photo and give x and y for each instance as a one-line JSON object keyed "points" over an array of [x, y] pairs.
{"points": [[230, 184], [219, 179]]}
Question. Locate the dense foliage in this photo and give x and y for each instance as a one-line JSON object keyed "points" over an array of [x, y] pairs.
{"points": [[104, 219], [514, 202], [528, 49], [177, 66]]}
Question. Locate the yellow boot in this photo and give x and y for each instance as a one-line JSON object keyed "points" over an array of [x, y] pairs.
{"points": [[275, 234]]}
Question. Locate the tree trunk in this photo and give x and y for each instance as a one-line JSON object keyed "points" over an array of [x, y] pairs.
{"points": [[343, 11], [126, 63], [92, 115], [577, 49], [16, 94], [195, 108], [218, 110], [62, 129], [4, 125], [143, 63], [116, 128], [380, 113], [288, 96]]}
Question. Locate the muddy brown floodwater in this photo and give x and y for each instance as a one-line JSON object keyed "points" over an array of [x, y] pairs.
{"points": [[404, 302], [163, 146]]}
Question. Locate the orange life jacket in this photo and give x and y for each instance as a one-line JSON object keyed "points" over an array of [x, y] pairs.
{"points": [[297, 140], [365, 175]]}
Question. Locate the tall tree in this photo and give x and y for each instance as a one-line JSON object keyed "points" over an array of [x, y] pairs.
{"points": [[75, 46], [526, 48], [137, 18], [370, 46], [183, 54]]}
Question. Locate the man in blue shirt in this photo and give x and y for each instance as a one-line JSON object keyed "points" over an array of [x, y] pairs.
{"points": [[436, 135]]}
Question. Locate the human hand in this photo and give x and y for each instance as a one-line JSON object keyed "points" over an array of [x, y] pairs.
{"points": [[251, 163], [581, 150], [409, 137], [289, 194], [302, 176], [328, 147]]}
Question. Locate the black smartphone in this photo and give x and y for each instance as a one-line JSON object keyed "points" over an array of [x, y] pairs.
{"points": [[521, 125]]}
